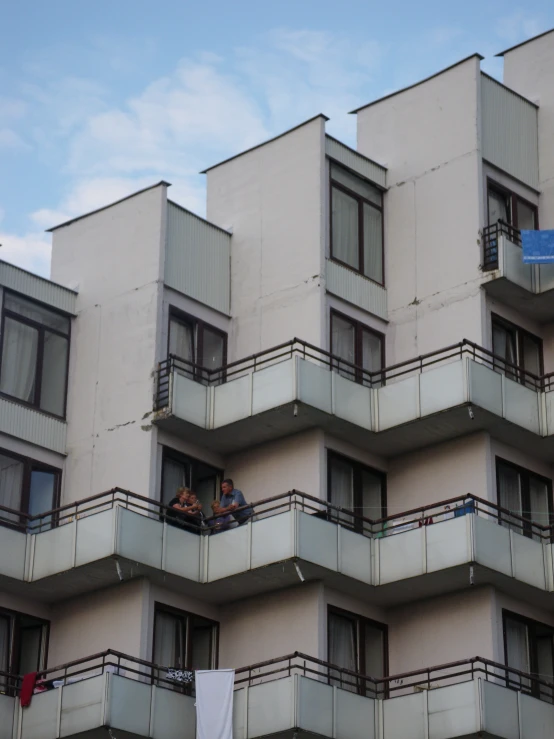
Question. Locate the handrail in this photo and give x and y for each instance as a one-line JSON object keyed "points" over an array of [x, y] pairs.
{"points": [[292, 499], [300, 663], [491, 236], [370, 378]]}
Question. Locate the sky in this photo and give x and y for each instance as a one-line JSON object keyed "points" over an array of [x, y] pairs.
{"points": [[99, 99]]}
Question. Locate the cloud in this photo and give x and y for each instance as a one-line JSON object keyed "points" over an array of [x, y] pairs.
{"points": [[30, 251], [9, 139], [518, 26]]}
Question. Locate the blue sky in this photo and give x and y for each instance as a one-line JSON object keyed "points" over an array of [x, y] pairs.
{"points": [[98, 99]]}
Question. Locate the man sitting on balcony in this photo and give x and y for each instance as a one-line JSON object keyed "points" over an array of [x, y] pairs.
{"points": [[231, 503]]}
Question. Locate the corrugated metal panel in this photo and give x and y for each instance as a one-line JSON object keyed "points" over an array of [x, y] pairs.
{"points": [[197, 261], [509, 131], [346, 284], [32, 426], [37, 287], [355, 161]]}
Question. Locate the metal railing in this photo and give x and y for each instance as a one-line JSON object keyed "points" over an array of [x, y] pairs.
{"points": [[371, 379], [354, 520], [297, 663], [491, 242]]}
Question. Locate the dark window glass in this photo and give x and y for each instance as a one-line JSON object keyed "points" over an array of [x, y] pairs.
{"points": [[200, 345], [28, 487], [525, 495], [356, 488], [357, 345], [529, 648], [506, 206], [181, 471], [517, 352], [23, 643]]}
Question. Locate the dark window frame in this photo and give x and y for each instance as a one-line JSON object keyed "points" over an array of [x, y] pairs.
{"points": [[14, 638], [521, 334], [361, 201], [198, 326], [525, 474], [361, 621], [182, 458], [359, 467], [359, 329], [184, 615], [29, 465], [532, 625], [513, 198], [41, 328]]}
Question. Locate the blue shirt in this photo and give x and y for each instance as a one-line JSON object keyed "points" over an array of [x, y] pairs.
{"points": [[235, 496]]}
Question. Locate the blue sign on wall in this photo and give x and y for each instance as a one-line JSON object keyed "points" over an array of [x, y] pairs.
{"points": [[538, 247]]}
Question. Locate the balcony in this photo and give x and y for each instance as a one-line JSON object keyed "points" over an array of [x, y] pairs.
{"points": [[401, 408], [527, 287], [431, 550], [112, 692]]}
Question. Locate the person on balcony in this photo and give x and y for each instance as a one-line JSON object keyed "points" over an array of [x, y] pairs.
{"points": [[231, 504], [185, 510]]}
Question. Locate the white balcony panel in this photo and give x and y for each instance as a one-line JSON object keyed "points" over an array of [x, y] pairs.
{"points": [[405, 717], [546, 277], [54, 551], [181, 554], [351, 401], [318, 541], [190, 400], [512, 266], [521, 405], [549, 401], [139, 538], [315, 707], [7, 713], [173, 715], [500, 711], [536, 718], [492, 545], [314, 385], [528, 560], [354, 555], [448, 543], [228, 553], [232, 401], [95, 537], [273, 386], [442, 388], [13, 550], [128, 705], [82, 706], [454, 711], [398, 403], [32, 426], [401, 556], [354, 716], [240, 713], [485, 387], [271, 707], [41, 719], [273, 539]]}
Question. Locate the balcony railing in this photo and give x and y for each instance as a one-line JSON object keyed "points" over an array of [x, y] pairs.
{"points": [[371, 379], [297, 663], [425, 515], [491, 238]]}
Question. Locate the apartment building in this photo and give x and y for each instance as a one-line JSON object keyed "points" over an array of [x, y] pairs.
{"points": [[353, 338]]}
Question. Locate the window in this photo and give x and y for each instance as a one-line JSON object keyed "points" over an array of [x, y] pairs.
{"points": [[358, 644], [35, 354], [357, 345], [181, 471], [524, 494], [357, 223], [184, 641], [529, 647], [506, 206], [516, 347], [27, 486], [197, 343], [356, 488], [23, 644]]}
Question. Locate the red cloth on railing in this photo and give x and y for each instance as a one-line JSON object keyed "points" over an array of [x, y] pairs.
{"points": [[425, 521], [27, 688]]}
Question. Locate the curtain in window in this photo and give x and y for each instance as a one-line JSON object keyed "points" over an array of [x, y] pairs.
{"points": [[213, 351], [372, 495], [342, 650], [30, 649], [201, 644], [373, 243], [54, 371], [498, 208], [343, 344], [181, 341], [372, 355], [19, 360], [525, 216], [531, 357], [509, 490], [168, 641], [517, 645], [538, 497], [504, 346], [11, 481], [345, 228], [175, 475], [342, 484]]}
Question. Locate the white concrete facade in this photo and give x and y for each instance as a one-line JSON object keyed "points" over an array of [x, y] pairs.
{"points": [[438, 584]]}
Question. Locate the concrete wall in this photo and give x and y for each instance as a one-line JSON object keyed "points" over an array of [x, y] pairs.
{"points": [[115, 258], [529, 71], [432, 209], [271, 198]]}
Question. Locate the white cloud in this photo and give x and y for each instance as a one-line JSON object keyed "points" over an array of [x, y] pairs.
{"points": [[9, 139], [30, 251]]}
